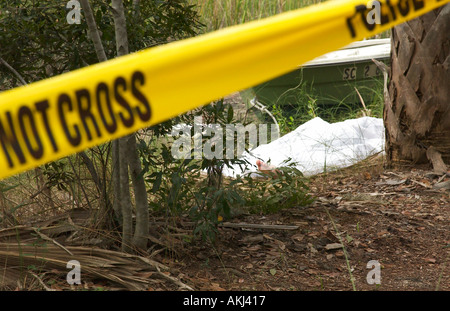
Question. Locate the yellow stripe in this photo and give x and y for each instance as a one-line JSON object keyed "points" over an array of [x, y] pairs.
{"points": [[53, 118]]}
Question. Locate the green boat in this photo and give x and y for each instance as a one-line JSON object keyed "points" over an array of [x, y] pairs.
{"points": [[333, 78]]}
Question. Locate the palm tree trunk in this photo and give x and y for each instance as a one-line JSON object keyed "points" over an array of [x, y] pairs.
{"points": [[417, 114]]}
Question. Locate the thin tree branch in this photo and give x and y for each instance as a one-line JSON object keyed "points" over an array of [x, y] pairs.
{"points": [[93, 30], [21, 79]]}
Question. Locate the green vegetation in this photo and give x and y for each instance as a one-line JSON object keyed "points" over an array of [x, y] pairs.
{"points": [[216, 14], [40, 44], [196, 186], [299, 105]]}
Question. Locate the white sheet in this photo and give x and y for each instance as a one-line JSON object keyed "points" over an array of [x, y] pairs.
{"points": [[317, 145]]}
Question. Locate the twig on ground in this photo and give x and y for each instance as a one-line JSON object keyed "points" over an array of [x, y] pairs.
{"points": [[44, 237], [42, 283], [175, 280], [412, 180]]}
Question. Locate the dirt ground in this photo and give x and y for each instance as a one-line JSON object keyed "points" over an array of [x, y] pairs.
{"points": [[365, 213], [397, 217]]}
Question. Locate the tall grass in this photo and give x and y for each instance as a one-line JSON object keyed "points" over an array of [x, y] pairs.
{"points": [[216, 14]]}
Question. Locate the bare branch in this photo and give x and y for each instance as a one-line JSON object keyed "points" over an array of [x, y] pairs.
{"points": [[93, 30], [21, 79]]}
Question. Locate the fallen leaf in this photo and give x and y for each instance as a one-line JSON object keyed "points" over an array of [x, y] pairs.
{"points": [[253, 239], [273, 271], [301, 223], [298, 237], [333, 246], [216, 286], [312, 249], [333, 274], [254, 248], [367, 176], [395, 182], [349, 239], [330, 235], [391, 182], [145, 275], [383, 233], [311, 271], [313, 234], [430, 260], [280, 244], [339, 254]]}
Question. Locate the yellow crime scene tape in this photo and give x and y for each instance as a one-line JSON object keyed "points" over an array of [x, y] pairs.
{"points": [[57, 117]]}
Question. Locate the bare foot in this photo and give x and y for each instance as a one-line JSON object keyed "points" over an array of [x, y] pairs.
{"points": [[266, 168]]}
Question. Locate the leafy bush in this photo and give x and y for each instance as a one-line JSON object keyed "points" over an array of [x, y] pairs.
{"points": [[285, 188], [38, 42], [196, 187]]}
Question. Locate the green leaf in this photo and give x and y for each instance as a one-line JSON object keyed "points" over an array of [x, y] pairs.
{"points": [[349, 238], [230, 114], [273, 271], [157, 182]]}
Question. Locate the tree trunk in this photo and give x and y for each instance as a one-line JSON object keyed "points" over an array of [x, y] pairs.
{"points": [[116, 179], [93, 31], [101, 55], [124, 150], [417, 113], [141, 231], [124, 197], [129, 156]]}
